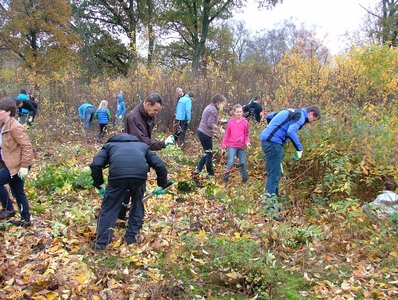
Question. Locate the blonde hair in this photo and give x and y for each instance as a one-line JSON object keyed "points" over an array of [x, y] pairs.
{"points": [[236, 106], [103, 104]]}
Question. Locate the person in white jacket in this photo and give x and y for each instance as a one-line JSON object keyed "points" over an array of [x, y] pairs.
{"points": [[385, 204]]}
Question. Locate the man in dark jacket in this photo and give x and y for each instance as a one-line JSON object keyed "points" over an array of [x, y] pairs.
{"points": [[253, 109], [139, 123], [29, 106], [128, 160]]}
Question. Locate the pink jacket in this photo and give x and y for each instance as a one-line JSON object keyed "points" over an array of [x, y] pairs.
{"points": [[236, 134]]}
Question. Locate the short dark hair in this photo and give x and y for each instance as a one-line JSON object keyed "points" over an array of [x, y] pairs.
{"points": [[315, 110], [9, 105], [154, 98], [191, 94], [23, 91], [257, 98], [390, 185]]}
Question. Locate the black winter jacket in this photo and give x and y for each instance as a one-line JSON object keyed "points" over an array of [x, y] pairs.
{"points": [[127, 157]]}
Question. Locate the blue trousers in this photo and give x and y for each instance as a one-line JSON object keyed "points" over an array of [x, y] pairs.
{"points": [[115, 192], [242, 160], [273, 159], [17, 189], [207, 158], [88, 117]]}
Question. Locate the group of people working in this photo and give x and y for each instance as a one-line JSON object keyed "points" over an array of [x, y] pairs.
{"points": [[129, 154], [282, 127], [130, 170], [88, 113]]}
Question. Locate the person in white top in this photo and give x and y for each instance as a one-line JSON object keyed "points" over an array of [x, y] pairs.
{"points": [[385, 204]]}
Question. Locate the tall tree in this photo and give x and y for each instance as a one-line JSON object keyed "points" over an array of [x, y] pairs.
{"points": [[37, 32], [382, 23], [191, 20], [389, 22], [118, 20]]}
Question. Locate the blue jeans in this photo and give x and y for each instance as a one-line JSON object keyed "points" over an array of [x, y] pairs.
{"points": [[207, 157], [115, 192], [88, 117], [273, 159], [242, 160], [17, 189]]}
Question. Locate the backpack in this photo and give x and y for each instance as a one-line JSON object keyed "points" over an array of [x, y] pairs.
{"points": [[294, 113]]}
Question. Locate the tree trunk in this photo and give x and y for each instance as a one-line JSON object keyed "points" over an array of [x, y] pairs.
{"points": [[151, 33]]}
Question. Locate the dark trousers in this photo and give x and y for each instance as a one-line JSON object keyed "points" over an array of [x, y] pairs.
{"points": [[33, 114], [184, 128], [115, 192], [207, 157], [102, 130], [17, 189]]}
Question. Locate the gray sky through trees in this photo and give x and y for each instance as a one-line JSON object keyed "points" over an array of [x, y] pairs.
{"points": [[331, 18]]}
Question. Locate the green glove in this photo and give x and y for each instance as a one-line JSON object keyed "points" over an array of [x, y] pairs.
{"points": [[169, 140], [158, 191], [298, 155], [101, 190], [188, 121]]}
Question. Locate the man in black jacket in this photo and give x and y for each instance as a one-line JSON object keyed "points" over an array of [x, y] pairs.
{"points": [[253, 109], [128, 160], [28, 105], [139, 123]]}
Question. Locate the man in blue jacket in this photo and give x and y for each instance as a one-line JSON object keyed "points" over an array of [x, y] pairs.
{"points": [[281, 128], [183, 114], [128, 161], [86, 113]]}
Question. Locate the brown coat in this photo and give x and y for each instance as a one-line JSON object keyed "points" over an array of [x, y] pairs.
{"points": [[139, 124], [16, 148]]}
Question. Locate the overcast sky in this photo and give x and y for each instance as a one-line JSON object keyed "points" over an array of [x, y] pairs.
{"points": [[332, 18]]}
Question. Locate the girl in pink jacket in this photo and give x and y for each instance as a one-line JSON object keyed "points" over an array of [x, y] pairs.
{"points": [[236, 139]]}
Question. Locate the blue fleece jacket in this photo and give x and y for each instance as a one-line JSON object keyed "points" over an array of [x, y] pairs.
{"points": [[284, 126], [183, 110], [120, 108], [103, 116]]}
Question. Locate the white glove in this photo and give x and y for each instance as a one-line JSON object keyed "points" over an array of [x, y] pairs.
{"points": [[169, 140], [298, 155], [23, 172]]}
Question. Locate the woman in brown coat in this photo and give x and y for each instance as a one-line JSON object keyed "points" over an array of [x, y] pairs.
{"points": [[17, 155]]}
